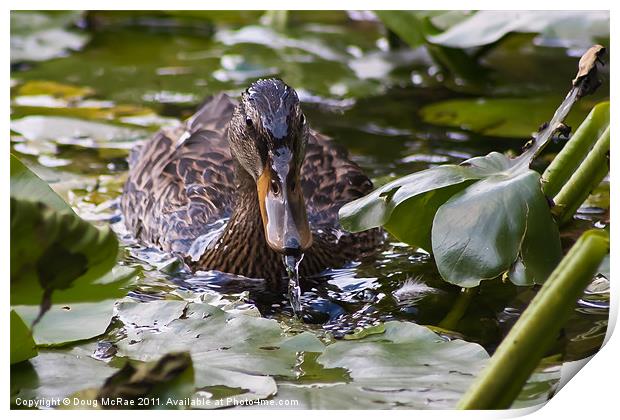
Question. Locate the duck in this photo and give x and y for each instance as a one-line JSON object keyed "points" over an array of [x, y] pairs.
{"points": [[242, 184]]}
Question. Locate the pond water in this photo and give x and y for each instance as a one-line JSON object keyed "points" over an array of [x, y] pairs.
{"points": [[136, 73]]}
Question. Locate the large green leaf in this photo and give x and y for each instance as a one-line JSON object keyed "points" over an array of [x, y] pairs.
{"points": [[406, 206], [501, 117], [39, 36], [22, 344], [64, 323], [480, 219], [238, 352], [408, 366], [500, 221], [55, 374], [57, 256], [25, 185], [575, 28], [56, 250], [74, 130]]}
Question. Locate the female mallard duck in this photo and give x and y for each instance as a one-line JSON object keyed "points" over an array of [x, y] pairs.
{"points": [[258, 166]]}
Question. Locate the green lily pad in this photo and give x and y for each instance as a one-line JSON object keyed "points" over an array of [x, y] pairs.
{"points": [[575, 28], [65, 323], [408, 366], [73, 131], [236, 351], [500, 117], [55, 89], [22, 343], [39, 36], [55, 374], [50, 98]]}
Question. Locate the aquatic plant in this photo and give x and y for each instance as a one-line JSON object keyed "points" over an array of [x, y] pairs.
{"points": [[56, 257], [520, 352], [488, 216]]}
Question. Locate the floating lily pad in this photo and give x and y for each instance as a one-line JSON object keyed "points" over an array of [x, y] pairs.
{"points": [[55, 89], [64, 323], [73, 131], [571, 28], [500, 117], [39, 36], [50, 98], [236, 351], [55, 374], [405, 364], [408, 366]]}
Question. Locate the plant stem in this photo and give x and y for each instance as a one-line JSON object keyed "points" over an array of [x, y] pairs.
{"points": [[537, 328], [589, 174], [277, 19], [575, 150], [458, 309]]}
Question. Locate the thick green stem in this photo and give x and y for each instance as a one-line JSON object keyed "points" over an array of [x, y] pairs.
{"points": [[277, 19], [458, 309], [575, 150], [587, 177], [537, 328]]}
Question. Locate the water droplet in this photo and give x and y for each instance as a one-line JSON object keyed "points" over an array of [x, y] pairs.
{"points": [[291, 262]]}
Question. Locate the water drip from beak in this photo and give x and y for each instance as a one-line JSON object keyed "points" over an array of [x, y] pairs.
{"points": [[291, 263]]}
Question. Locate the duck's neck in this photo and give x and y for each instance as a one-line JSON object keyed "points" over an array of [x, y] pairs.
{"points": [[242, 248]]}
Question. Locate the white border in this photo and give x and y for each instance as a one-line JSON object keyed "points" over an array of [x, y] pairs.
{"points": [[591, 394]]}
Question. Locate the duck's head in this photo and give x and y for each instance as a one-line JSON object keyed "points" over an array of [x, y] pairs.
{"points": [[268, 135]]}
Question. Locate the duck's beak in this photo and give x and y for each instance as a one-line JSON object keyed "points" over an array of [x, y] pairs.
{"points": [[282, 205]]}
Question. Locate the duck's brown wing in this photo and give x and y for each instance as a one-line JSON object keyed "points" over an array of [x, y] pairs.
{"points": [[329, 180], [181, 182]]}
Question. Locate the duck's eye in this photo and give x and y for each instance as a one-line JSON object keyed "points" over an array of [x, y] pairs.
{"points": [[302, 119], [275, 187], [249, 122]]}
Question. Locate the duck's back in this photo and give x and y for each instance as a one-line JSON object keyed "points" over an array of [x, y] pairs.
{"points": [[181, 183]]}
